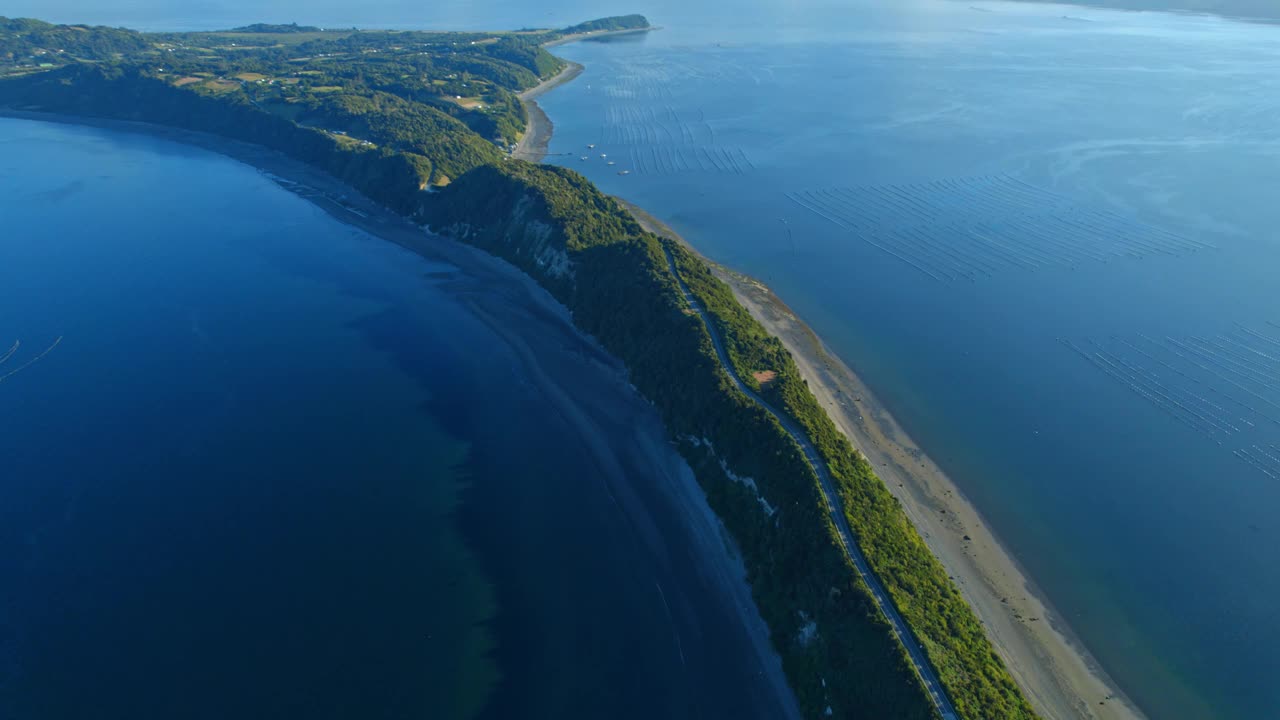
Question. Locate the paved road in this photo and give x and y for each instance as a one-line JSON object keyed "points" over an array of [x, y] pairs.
{"points": [[921, 663]]}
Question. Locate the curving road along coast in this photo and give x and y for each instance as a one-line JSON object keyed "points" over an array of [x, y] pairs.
{"points": [[918, 659]]}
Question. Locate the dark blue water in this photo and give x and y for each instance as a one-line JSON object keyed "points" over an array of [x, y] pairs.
{"points": [[266, 465], [947, 192], [1047, 244], [191, 476]]}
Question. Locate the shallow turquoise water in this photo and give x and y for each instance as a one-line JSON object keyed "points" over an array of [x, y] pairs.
{"points": [[279, 468]]}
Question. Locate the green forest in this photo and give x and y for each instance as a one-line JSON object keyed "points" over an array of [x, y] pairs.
{"points": [[31, 43], [396, 113], [622, 292], [413, 92], [979, 684], [621, 22]]}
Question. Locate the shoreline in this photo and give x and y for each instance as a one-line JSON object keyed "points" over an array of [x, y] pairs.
{"points": [[598, 34], [1048, 661], [720, 560], [539, 129], [533, 144], [1050, 664], [1042, 652]]}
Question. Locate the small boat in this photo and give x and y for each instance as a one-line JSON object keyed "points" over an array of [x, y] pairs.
{"points": [[624, 172], [612, 163], [584, 158], [591, 147], [603, 156]]}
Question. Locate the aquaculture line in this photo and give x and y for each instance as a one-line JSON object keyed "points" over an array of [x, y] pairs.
{"points": [[1225, 387], [972, 228]]}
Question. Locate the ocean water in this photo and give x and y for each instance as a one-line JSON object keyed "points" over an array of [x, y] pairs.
{"points": [[1042, 233], [257, 463], [1043, 236]]}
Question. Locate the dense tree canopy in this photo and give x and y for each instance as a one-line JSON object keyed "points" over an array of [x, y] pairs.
{"points": [[621, 22], [41, 42], [426, 88]]}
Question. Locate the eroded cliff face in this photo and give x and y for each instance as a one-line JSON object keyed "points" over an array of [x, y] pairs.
{"points": [[536, 238], [507, 220]]}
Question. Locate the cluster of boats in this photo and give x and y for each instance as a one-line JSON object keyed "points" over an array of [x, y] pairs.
{"points": [[605, 157]]}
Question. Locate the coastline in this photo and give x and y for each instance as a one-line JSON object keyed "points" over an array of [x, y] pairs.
{"points": [[598, 34], [532, 145], [1049, 663], [1046, 658], [722, 565]]}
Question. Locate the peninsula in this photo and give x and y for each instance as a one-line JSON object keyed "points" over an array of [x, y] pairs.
{"points": [[864, 617]]}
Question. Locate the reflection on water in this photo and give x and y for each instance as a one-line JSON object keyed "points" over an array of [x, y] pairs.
{"points": [[1044, 242]]}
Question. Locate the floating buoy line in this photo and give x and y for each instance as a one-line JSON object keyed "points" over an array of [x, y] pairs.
{"points": [[13, 351]]}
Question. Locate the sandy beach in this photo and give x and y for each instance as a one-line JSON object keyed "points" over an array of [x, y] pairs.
{"points": [[537, 134], [532, 146], [1051, 665], [1062, 680]]}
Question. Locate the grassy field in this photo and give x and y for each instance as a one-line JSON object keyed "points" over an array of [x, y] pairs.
{"points": [[220, 86], [269, 40]]}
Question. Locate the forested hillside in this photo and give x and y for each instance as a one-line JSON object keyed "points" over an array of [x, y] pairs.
{"points": [[394, 113], [415, 92], [35, 43], [979, 684], [594, 257]]}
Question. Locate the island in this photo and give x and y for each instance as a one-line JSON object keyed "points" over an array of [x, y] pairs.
{"points": [[864, 617]]}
